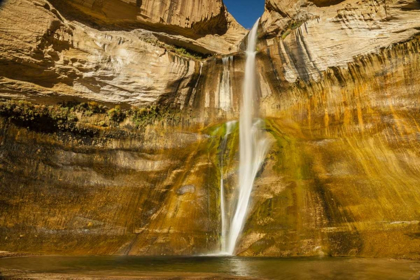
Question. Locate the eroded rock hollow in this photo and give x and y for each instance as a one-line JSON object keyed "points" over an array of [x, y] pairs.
{"points": [[113, 135]]}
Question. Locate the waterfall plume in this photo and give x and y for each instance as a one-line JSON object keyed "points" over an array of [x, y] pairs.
{"points": [[253, 144]]}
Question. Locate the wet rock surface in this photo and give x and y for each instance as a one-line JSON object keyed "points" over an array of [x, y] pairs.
{"points": [[339, 94]]}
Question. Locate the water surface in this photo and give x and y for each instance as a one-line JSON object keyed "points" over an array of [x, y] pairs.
{"points": [[260, 268]]}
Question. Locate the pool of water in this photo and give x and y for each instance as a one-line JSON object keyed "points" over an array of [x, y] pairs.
{"points": [[260, 268]]}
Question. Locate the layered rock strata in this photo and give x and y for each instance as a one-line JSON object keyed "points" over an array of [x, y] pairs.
{"points": [[43, 55], [339, 95], [67, 79], [340, 90]]}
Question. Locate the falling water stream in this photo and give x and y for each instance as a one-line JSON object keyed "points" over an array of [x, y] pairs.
{"points": [[195, 86], [225, 92], [229, 129], [253, 146]]}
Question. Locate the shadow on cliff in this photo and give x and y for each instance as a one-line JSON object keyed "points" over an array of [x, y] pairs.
{"points": [[128, 17]]}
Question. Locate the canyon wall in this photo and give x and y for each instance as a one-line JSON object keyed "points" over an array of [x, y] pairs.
{"points": [[114, 139], [94, 125], [341, 95], [44, 55]]}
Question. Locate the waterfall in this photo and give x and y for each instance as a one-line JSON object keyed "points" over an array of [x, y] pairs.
{"points": [[253, 144], [196, 85], [225, 93], [229, 128]]}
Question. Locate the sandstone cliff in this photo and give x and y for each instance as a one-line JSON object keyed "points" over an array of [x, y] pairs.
{"points": [[44, 55], [339, 95], [56, 67], [310, 39], [208, 22]]}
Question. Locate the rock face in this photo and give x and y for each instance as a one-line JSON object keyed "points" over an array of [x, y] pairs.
{"points": [[344, 163], [56, 63], [340, 96], [44, 55], [195, 18], [205, 21], [309, 39], [339, 93], [114, 194]]}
